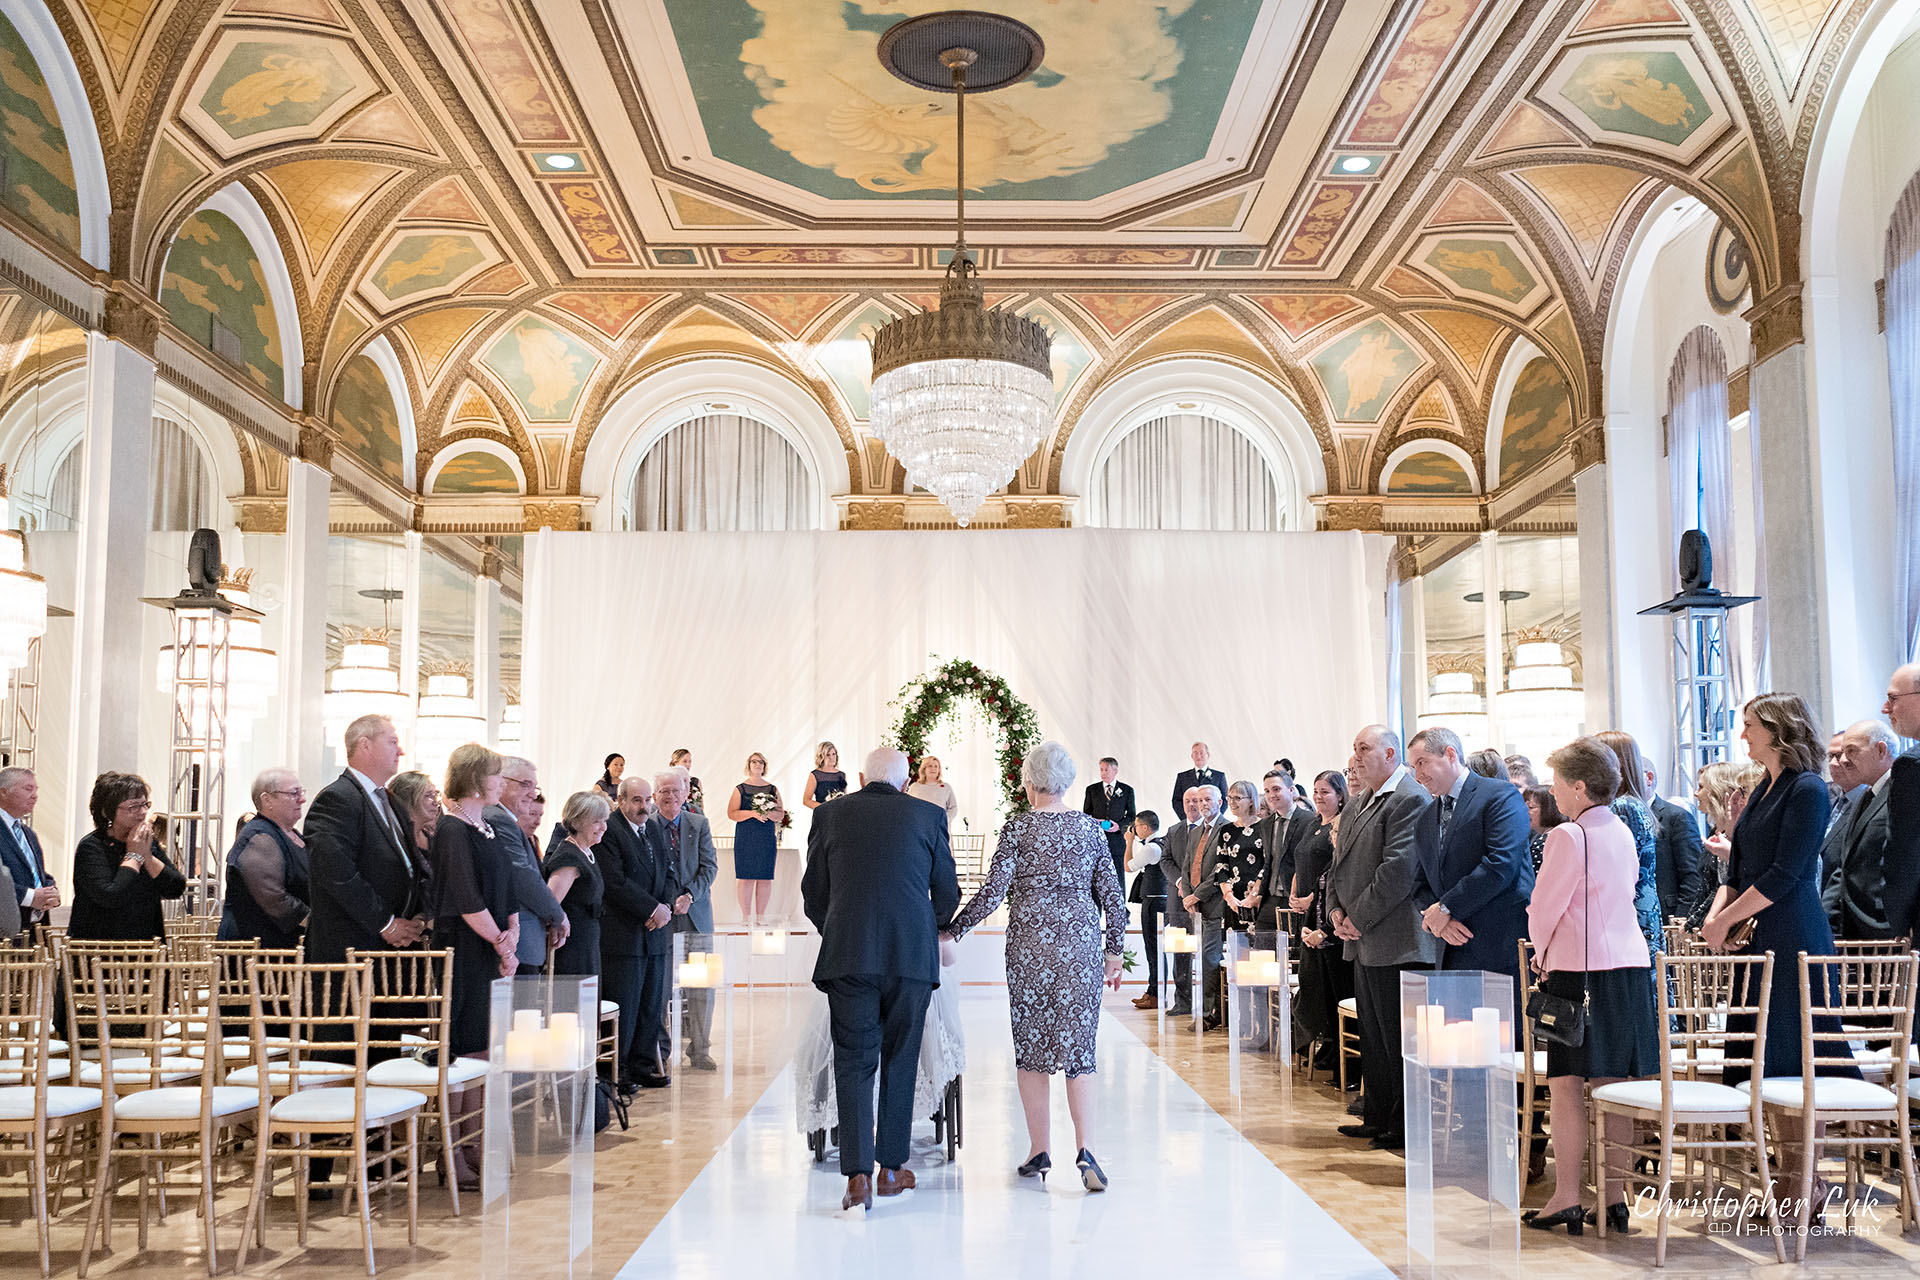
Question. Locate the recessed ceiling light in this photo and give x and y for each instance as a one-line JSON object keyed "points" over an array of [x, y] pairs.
{"points": [[1356, 164], [561, 162]]}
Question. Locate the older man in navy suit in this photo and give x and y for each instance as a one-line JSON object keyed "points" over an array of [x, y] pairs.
{"points": [[879, 886], [20, 848], [1474, 872]]}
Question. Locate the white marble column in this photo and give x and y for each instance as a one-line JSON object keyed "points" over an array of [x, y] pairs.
{"points": [[114, 499], [303, 665], [413, 550], [1411, 595], [1794, 534], [486, 652], [1599, 609]]}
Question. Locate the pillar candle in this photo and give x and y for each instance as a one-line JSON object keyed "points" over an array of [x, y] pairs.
{"points": [[526, 1019], [715, 968], [693, 974], [523, 1050], [1422, 1042], [1486, 1027]]}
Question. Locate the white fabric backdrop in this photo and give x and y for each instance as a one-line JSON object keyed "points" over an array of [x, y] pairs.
{"points": [[722, 471], [1125, 643], [1903, 367], [1185, 471]]}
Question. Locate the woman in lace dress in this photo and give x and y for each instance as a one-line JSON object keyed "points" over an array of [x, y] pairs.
{"points": [[1053, 867]]}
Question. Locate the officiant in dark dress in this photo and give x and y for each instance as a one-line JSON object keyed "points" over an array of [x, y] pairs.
{"points": [[879, 886]]}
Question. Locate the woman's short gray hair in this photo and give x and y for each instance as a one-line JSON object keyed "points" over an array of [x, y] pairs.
{"points": [[583, 809], [1245, 790], [1048, 769]]}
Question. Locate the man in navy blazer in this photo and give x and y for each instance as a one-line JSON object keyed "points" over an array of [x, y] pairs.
{"points": [[20, 853], [879, 886], [1198, 776], [1474, 873]]}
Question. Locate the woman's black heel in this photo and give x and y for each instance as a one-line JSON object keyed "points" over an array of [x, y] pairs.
{"points": [[1094, 1178], [1573, 1218], [1039, 1164], [1619, 1220]]}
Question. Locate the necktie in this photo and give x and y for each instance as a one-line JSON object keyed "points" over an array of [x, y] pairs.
{"points": [[1446, 815], [393, 825], [1109, 793], [1193, 877], [26, 851]]}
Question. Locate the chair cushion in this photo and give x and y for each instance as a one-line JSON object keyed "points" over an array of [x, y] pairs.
{"points": [[609, 1009], [183, 1103], [16, 1102], [309, 1074], [1690, 1097], [240, 1048], [1830, 1093], [1517, 1062], [55, 1048], [135, 1071], [406, 1073], [335, 1106], [1350, 1005]]}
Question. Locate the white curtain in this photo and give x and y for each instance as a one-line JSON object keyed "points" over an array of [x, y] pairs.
{"points": [[178, 489], [734, 643], [1187, 471], [1903, 368], [723, 473]]}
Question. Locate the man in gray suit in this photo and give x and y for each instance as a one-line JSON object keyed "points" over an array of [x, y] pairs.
{"points": [[1176, 851], [1192, 883], [1370, 902], [542, 919], [1856, 891], [688, 841]]}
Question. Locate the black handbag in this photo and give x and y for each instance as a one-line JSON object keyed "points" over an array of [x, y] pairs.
{"points": [[1562, 1020]]}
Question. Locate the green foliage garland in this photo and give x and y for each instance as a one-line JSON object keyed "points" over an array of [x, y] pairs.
{"points": [[929, 697]]}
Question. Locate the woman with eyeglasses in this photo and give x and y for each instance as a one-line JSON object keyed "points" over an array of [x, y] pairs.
{"points": [[267, 867], [120, 876]]}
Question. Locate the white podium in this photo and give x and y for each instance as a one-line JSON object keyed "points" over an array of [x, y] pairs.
{"points": [[1463, 1153], [536, 1178]]}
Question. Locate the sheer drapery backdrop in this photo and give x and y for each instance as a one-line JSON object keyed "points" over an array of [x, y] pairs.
{"points": [[1124, 643], [1187, 471], [1903, 368], [723, 471]]}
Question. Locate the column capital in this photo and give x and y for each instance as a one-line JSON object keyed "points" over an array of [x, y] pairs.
{"points": [[1365, 517], [131, 317], [561, 514], [1776, 322], [316, 444], [1404, 564], [493, 565], [1589, 445]]}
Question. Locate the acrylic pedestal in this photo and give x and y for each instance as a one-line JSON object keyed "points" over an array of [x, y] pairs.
{"points": [[1176, 941], [1463, 1153], [700, 983], [536, 1180], [1259, 1006]]}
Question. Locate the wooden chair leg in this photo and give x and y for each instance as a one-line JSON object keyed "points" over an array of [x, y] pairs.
{"points": [[257, 1202], [102, 1205], [37, 1172], [447, 1163], [1600, 1168], [207, 1133], [1772, 1209], [413, 1180], [1806, 1188], [1666, 1191], [359, 1180], [301, 1174]]}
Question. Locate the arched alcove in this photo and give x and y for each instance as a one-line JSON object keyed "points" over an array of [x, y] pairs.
{"points": [[44, 41], [1247, 403], [663, 400]]}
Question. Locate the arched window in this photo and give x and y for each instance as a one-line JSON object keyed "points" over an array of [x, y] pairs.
{"points": [[1903, 371], [1186, 471], [179, 486], [1699, 457], [723, 472]]}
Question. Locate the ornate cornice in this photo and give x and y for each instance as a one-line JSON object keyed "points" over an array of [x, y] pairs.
{"points": [[562, 515], [1776, 322], [130, 316], [316, 444], [1342, 517], [1589, 445]]}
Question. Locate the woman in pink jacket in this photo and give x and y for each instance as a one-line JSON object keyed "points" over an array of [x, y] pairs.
{"points": [[1588, 945]]}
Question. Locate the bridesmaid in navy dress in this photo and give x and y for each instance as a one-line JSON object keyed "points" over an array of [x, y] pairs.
{"points": [[756, 811], [1774, 871], [826, 781]]}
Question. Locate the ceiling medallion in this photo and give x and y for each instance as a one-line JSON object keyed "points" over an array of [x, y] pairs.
{"points": [[961, 395]]}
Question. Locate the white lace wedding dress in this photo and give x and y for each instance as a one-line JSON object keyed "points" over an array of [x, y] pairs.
{"points": [[943, 1055]]}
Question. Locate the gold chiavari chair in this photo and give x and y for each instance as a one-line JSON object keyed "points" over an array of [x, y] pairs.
{"points": [[34, 1109], [325, 1009], [148, 1015], [1530, 1064], [413, 1012], [1691, 1112], [76, 957], [1862, 998]]}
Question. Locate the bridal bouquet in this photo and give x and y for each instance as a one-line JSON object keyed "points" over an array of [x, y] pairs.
{"points": [[765, 802]]}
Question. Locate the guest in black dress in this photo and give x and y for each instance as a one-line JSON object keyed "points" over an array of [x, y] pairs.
{"points": [[610, 771], [1240, 857], [473, 873], [826, 781], [120, 876], [1326, 975], [573, 877], [267, 891], [1773, 874]]}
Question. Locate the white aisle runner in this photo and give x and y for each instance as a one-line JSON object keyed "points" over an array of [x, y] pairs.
{"points": [[1190, 1196]]}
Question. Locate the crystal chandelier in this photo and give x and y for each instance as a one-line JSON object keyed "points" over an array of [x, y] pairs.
{"points": [[364, 683], [962, 395], [23, 595], [1454, 705], [253, 670], [448, 718]]}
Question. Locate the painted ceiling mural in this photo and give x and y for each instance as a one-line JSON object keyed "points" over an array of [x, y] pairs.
{"points": [[1369, 205]]}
